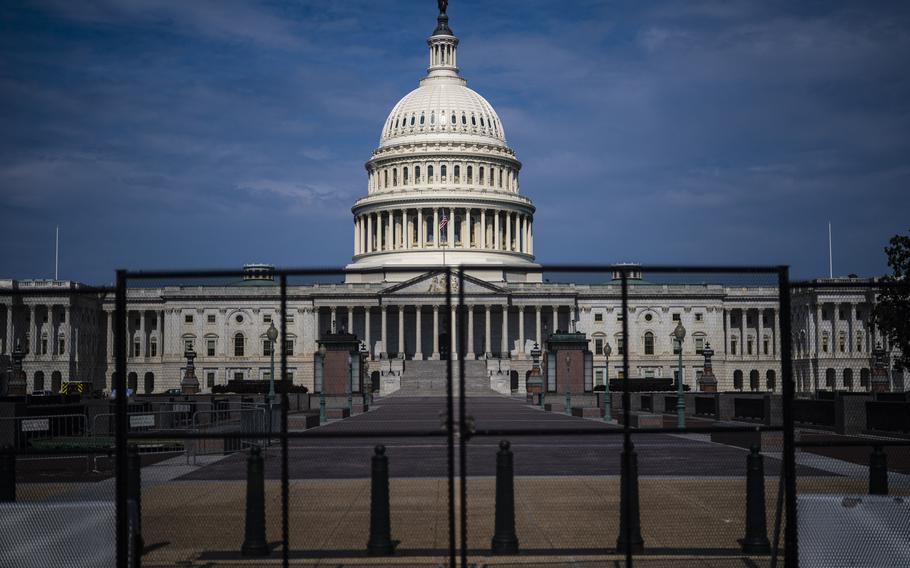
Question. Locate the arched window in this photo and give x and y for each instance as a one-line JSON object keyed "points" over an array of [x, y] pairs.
{"points": [[416, 174], [470, 174], [61, 344], [132, 382], [481, 122], [396, 123], [649, 343], [442, 172], [56, 381], [385, 182], [404, 176], [848, 379], [464, 119], [394, 177], [771, 379], [491, 177], [830, 378], [430, 173], [500, 177], [864, 378], [738, 380], [412, 120], [480, 175], [421, 119], [473, 120], [238, 345], [149, 383], [454, 120], [753, 380], [39, 381], [457, 173]]}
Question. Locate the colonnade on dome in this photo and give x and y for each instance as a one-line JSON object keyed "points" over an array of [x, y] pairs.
{"points": [[467, 228], [418, 174]]}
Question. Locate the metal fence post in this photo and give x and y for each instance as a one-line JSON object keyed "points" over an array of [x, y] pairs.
{"points": [[568, 402], [756, 539], [505, 540], [878, 471], [254, 542], [134, 480], [7, 475], [629, 519], [380, 543]]}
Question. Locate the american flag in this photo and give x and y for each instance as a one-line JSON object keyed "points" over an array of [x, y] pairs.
{"points": [[443, 222]]}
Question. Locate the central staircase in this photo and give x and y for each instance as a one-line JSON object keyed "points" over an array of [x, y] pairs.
{"points": [[428, 378]]}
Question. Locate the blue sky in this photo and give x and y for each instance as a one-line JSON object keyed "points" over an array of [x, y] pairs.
{"points": [[160, 133]]}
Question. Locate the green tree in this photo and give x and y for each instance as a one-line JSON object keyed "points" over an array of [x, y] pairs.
{"points": [[892, 311]]}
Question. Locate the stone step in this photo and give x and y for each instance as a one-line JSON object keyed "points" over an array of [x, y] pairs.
{"points": [[430, 377]]}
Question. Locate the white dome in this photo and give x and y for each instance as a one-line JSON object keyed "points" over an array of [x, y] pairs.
{"points": [[426, 114]]}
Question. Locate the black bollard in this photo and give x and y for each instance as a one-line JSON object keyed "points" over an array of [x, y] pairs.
{"points": [[504, 539], [7, 475], [629, 500], [756, 539], [134, 488], [380, 543], [878, 471], [254, 543]]}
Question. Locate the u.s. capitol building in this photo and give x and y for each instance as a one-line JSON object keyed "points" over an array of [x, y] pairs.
{"points": [[442, 190]]}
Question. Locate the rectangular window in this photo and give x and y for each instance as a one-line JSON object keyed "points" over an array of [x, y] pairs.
{"points": [[266, 347], [63, 317], [699, 345], [765, 319], [749, 347], [187, 318], [620, 346], [598, 316], [732, 347], [210, 347], [289, 318], [621, 374], [825, 344], [266, 375], [61, 347], [766, 346], [267, 318], [289, 347], [238, 376], [699, 316], [136, 347], [210, 379], [188, 345], [675, 317], [649, 373], [210, 318], [44, 346], [620, 317], [153, 349], [598, 346], [598, 377], [289, 376]]}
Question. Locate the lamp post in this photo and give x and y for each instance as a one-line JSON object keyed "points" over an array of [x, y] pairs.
{"points": [[367, 386], [350, 387], [680, 333], [568, 387], [321, 352], [608, 410], [272, 335]]}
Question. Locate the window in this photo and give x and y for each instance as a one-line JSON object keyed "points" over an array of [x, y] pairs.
{"points": [[842, 343], [433, 117], [153, 347], [598, 377], [732, 347], [404, 176], [648, 317], [412, 120], [677, 346], [442, 172], [61, 347], [210, 347], [44, 344], [473, 120], [699, 316], [239, 318], [825, 343], [430, 174], [620, 316], [421, 119], [598, 346], [63, 317], [238, 345], [766, 346], [598, 316], [289, 347], [620, 345], [470, 174], [266, 347], [500, 177], [289, 318], [188, 344], [675, 317], [187, 318], [289, 376], [137, 347], [649, 373], [464, 119], [210, 379], [859, 343], [649, 343], [699, 344], [267, 318], [457, 174], [749, 346], [238, 375], [765, 319], [210, 318], [417, 174], [453, 118]]}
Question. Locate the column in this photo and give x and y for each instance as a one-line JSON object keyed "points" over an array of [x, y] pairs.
{"points": [[483, 228], [743, 313], [470, 231], [436, 227], [555, 319], [418, 344], [161, 336], [350, 319], [521, 329], [537, 327], [369, 232], [32, 331], [356, 234], [406, 219], [389, 230], [470, 351], [508, 231], [435, 354], [382, 331], [776, 333], [420, 239], [452, 336], [496, 240], [9, 344], [142, 333], [728, 329], [401, 353], [486, 336], [110, 335], [572, 318], [316, 328], [530, 236], [851, 329], [332, 320], [366, 329], [760, 341], [505, 331]]}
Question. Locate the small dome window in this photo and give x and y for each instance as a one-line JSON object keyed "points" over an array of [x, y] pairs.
{"points": [[464, 119], [473, 120], [412, 120], [433, 117], [481, 121], [421, 119], [454, 120], [396, 123]]}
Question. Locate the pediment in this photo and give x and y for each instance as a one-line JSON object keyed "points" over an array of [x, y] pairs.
{"points": [[435, 283]]}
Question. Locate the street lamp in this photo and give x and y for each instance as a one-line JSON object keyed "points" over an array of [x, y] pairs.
{"points": [[321, 352], [366, 387], [608, 411], [680, 333], [350, 387], [272, 335]]}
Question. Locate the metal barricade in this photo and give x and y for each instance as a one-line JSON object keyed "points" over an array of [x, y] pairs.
{"points": [[24, 431]]}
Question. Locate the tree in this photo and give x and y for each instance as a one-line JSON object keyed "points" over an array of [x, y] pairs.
{"points": [[892, 311]]}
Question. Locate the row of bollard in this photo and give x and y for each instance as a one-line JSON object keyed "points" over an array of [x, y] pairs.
{"points": [[505, 539]]}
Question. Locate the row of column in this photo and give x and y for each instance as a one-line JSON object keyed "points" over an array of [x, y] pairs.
{"points": [[437, 327], [448, 173], [817, 330], [140, 332], [407, 229], [32, 341], [758, 348]]}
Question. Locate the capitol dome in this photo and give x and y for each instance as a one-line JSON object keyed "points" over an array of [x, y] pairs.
{"points": [[442, 186]]}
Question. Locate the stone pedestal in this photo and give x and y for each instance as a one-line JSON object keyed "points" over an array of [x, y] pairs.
{"points": [[566, 353], [342, 372], [880, 380], [707, 382]]}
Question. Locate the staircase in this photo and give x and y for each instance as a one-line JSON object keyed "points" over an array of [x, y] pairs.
{"points": [[428, 378]]}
